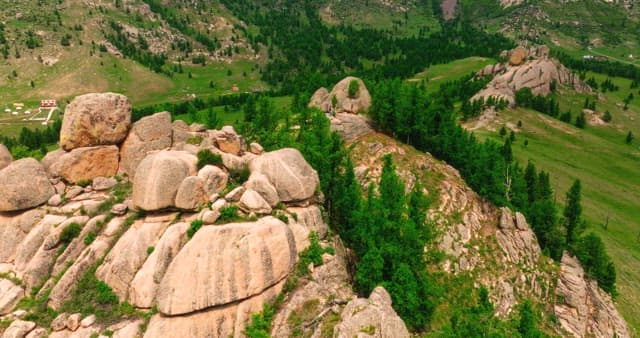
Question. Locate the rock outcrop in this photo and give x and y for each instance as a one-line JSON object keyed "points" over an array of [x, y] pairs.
{"points": [[339, 100], [516, 239], [226, 264], [5, 156], [150, 133], [95, 119], [86, 163], [374, 317], [288, 172], [527, 68], [585, 310], [350, 126], [24, 184]]}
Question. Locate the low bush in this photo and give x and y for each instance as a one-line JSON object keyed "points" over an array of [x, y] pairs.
{"points": [[206, 157]]}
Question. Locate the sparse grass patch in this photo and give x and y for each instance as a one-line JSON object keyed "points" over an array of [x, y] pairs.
{"points": [[93, 296], [70, 232], [195, 226]]}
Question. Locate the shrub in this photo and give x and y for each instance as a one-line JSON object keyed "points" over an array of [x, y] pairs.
{"points": [[240, 176], [312, 254], [69, 233], [205, 157], [91, 236], [195, 226], [228, 214], [260, 326], [353, 89]]}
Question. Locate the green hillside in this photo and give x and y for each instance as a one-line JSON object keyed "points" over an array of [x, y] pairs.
{"points": [[607, 167]]}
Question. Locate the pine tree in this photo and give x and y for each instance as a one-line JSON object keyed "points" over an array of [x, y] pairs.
{"points": [[573, 212], [629, 138], [391, 190], [581, 120]]}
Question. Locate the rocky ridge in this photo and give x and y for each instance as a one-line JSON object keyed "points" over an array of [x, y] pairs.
{"points": [[495, 246], [527, 68], [139, 233]]}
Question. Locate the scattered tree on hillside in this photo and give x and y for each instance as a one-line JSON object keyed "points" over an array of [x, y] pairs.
{"points": [[629, 139], [573, 213], [607, 116], [581, 120]]}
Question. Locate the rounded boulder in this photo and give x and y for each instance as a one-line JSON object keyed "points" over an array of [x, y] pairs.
{"points": [[159, 176], [95, 119], [292, 177], [23, 185]]}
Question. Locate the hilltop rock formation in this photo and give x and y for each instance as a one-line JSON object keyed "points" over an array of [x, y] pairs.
{"points": [[5, 156], [373, 316], [23, 185], [527, 68], [339, 100], [585, 310], [232, 269], [95, 119]]}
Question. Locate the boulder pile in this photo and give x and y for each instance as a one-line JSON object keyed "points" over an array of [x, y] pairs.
{"points": [[339, 100], [527, 68], [130, 205]]}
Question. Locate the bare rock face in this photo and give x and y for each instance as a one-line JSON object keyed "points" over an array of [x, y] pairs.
{"points": [[145, 284], [160, 176], [95, 119], [227, 264], [286, 169], [328, 286], [224, 321], [128, 255], [148, 134], [13, 230], [350, 126], [321, 100], [587, 311], [23, 185], [18, 329], [260, 183], [375, 316], [251, 201], [191, 193], [339, 101], [86, 163], [5, 156], [10, 295], [52, 157], [516, 239]]}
